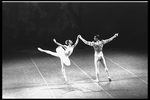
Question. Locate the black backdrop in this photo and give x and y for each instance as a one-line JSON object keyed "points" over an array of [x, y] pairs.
{"points": [[29, 25]]}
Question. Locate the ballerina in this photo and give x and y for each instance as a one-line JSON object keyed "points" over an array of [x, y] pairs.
{"points": [[63, 52]]}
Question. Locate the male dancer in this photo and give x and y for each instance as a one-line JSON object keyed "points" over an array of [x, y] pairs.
{"points": [[63, 52], [98, 56]]}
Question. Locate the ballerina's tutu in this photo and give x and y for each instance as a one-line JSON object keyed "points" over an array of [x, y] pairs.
{"points": [[61, 52]]}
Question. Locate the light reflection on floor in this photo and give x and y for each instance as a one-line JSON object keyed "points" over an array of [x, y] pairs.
{"points": [[22, 80]]}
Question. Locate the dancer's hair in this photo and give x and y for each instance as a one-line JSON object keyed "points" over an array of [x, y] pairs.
{"points": [[96, 37], [67, 42]]}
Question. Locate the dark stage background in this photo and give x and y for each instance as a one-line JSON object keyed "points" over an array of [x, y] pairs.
{"points": [[26, 26]]}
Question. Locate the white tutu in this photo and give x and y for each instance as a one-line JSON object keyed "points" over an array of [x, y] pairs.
{"points": [[61, 52]]}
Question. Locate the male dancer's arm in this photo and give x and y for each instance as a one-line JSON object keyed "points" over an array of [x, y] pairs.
{"points": [[77, 40], [85, 41], [110, 39], [58, 43]]}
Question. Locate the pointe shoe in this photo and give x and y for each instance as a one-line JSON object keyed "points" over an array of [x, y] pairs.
{"points": [[66, 80], [97, 80], [109, 79]]}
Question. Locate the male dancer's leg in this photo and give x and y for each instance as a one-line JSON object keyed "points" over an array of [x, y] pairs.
{"points": [[103, 62], [96, 69]]}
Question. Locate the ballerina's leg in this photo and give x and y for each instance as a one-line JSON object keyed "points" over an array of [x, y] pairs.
{"points": [[49, 52]]}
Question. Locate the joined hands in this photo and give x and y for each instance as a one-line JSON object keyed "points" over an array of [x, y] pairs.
{"points": [[79, 36]]}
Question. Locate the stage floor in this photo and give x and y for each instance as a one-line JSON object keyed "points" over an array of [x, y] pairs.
{"points": [[38, 75]]}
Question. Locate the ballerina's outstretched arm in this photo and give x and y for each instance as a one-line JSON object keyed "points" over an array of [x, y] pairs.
{"points": [[77, 40], [59, 43]]}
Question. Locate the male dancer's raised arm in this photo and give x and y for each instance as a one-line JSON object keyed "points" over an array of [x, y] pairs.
{"points": [[110, 39], [85, 41]]}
